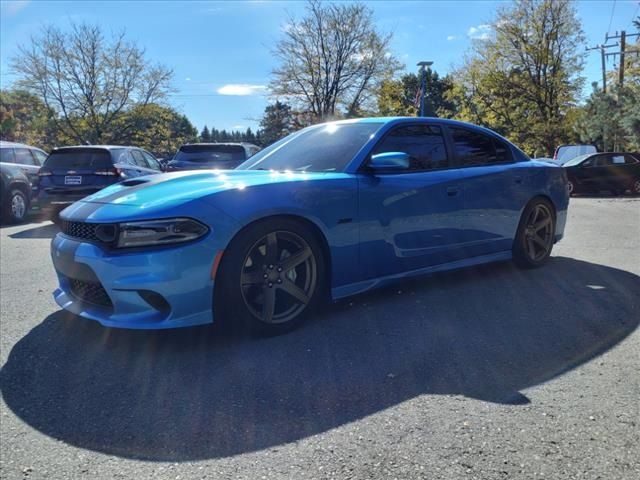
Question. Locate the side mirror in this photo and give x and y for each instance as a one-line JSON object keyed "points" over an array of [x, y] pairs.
{"points": [[390, 161]]}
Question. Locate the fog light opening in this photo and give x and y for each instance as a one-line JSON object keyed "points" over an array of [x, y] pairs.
{"points": [[156, 300]]}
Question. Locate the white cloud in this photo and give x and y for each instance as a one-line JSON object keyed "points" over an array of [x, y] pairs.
{"points": [[13, 7], [451, 37], [241, 89], [188, 79], [239, 127], [481, 32]]}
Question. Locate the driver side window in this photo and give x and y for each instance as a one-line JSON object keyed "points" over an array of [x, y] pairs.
{"points": [[423, 143]]}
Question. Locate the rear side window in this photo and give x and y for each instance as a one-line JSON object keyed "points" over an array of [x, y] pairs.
{"points": [[139, 159], [153, 163], [474, 148], [211, 153], [40, 156], [24, 157], [7, 155], [76, 158], [423, 143]]}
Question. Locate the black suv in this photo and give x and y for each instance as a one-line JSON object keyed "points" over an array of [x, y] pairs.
{"points": [[19, 166], [72, 173]]}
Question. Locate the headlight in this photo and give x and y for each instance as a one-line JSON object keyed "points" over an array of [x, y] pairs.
{"points": [[159, 232]]}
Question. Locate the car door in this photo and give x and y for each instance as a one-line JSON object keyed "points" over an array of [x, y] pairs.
{"points": [[596, 173], [409, 219], [494, 189], [27, 163]]}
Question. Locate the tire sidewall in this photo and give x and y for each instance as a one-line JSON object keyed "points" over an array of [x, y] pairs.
{"points": [[8, 211], [229, 307]]}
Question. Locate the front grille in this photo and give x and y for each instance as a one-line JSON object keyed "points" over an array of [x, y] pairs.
{"points": [[83, 230], [90, 292]]}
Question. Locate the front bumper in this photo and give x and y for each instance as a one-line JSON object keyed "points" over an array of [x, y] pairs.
{"points": [[180, 275]]}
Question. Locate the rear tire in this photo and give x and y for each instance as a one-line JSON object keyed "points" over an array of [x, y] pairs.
{"points": [[536, 234], [635, 187], [271, 277], [16, 207]]}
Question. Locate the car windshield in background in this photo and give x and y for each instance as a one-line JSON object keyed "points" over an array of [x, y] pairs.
{"points": [[210, 153], [75, 158], [576, 160], [325, 148]]}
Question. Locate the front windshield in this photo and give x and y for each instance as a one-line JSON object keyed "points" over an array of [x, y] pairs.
{"points": [[324, 148], [576, 160]]}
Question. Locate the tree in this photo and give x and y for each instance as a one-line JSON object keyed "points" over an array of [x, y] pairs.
{"points": [[25, 118], [90, 81], [205, 136], [277, 122], [157, 128], [399, 97], [525, 78], [332, 61]]}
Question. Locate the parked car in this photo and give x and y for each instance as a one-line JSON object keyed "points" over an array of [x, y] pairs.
{"points": [[198, 156], [332, 210], [72, 173], [15, 193], [564, 153], [28, 159], [615, 172]]}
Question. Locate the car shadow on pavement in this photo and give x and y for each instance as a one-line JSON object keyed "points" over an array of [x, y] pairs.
{"points": [[43, 231], [181, 395]]}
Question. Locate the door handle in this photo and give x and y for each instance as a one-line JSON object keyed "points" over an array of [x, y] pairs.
{"points": [[453, 191], [518, 180]]}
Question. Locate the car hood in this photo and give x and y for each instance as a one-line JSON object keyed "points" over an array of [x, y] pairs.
{"points": [[174, 188]]}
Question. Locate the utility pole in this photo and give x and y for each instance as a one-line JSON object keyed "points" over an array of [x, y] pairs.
{"points": [[623, 50], [423, 86], [602, 48]]}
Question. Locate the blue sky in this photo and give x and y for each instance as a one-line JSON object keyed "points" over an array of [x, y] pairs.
{"points": [[220, 51]]}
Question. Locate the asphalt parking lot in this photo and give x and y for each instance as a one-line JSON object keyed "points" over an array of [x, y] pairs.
{"points": [[490, 373]]}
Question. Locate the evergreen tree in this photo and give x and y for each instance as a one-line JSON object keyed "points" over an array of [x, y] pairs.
{"points": [[205, 135]]}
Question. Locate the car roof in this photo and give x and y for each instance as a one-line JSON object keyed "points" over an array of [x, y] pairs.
{"points": [[210, 144], [105, 147], [6, 144]]}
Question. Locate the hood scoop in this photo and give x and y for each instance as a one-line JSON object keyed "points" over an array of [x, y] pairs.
{"points": [[133, 182]]}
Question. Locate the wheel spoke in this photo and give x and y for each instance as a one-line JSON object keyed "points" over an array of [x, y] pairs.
{"points": [[295, 291], [271, 253], [540, 241], [531, 248], [252, 278], [541, 224], [296, 259], [269, 305]]}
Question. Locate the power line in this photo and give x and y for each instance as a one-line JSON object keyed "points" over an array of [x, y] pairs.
{"points": [[635, 14], [613, 9]]}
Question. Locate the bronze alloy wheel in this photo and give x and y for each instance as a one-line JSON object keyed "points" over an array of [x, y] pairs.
{"points": [[279, 277], [538, 232]]}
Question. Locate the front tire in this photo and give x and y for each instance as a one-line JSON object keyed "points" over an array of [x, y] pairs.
{"points": [[271, 277], [16, 207], [536, 234]]}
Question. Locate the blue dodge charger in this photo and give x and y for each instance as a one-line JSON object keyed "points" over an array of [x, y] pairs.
{"points": [[327, 212]]}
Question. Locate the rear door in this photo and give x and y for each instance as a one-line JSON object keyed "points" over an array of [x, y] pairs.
{"points": [[494, 190]]}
